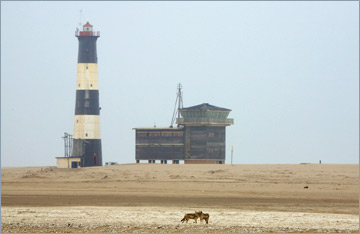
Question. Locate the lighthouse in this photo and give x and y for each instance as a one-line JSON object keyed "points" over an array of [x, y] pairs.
{"points": [[86, 135]]}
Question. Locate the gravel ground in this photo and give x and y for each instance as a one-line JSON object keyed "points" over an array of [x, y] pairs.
{"points": [[163, 220], [149, 198]]}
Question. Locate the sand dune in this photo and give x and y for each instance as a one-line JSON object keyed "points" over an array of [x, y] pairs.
{"points": [[154, 197]]}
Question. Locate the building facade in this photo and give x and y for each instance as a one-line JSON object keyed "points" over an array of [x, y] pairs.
{"points": [[199, 138], [159, 144]]}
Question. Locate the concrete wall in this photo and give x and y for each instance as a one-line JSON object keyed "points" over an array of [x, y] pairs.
{"points": [[66, 162]]}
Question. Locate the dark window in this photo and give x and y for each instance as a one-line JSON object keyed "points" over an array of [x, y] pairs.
{"points": [[142, 134], [166, 134], [155, 134]]}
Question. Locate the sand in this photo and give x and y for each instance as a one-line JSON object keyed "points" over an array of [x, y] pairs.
{"points": [[154, 198]]}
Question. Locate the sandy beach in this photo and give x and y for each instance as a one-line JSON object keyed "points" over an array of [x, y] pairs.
{"points": [[154, 198]]}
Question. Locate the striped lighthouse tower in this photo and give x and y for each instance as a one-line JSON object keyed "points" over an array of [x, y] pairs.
{"points": [[86, 136]]}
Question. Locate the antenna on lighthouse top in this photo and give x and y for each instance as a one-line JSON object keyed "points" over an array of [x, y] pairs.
{"points": [[80, 19], [178, 103]]}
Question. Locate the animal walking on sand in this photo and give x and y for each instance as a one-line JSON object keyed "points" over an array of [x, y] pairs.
{"points": [[203, 216], [194, 216]]}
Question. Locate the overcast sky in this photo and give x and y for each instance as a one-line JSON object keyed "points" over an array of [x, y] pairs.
{"points": [[289, 71]]}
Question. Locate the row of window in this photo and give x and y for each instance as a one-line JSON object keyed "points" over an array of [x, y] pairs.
{"points": [[212, 150], [205, 114], [79, 85], [162, 134], [170, 134], [213, 135]]}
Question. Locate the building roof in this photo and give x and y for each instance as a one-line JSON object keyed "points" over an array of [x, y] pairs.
{"points": [[87, 24], [205, 106], [160, 129]]}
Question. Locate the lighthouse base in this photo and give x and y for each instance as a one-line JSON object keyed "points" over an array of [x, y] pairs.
{"points": [[89, 150]]}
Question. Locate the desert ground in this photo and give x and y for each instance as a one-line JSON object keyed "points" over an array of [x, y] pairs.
{"points": [[149, 198]]}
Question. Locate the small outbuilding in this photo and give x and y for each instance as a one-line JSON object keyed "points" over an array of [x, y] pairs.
{"points": [[68, 162]]}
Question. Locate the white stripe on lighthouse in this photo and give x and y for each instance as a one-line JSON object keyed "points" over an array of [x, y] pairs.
{"points": [[86, 127], [87, 76]]}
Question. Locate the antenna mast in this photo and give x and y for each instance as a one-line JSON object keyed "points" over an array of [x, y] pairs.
{"points": [[80, 19], [68, 140], [178, 104]]}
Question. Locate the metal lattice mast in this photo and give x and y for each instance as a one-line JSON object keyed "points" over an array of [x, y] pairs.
{"points": [[178, 104], [67, 144]]}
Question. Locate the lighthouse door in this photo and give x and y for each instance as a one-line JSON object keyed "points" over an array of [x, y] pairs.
{"points": [[95, 159]]}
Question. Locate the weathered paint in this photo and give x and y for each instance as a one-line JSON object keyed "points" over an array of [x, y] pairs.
{"points": [[86, 127], [87, 76]]}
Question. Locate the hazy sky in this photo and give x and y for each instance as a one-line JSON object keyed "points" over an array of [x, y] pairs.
{"points": [[289, 71]]}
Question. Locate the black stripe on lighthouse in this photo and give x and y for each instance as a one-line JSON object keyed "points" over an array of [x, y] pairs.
{"points": [[87, 102], [87, 49]]}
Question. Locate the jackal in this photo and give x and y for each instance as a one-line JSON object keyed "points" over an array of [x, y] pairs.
{"points": [[202, 216], [194, 216]]}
